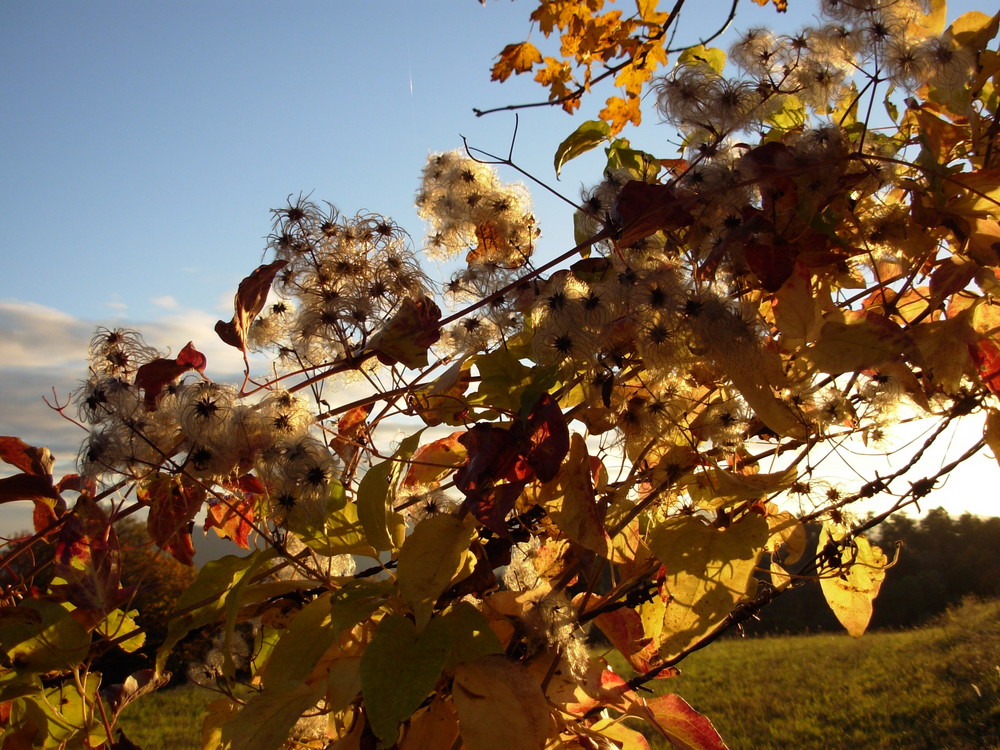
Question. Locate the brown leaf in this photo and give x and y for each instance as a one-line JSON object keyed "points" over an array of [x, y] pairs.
{"points": [[250, 299], [35, 461], [642, 209], [411, 332]]}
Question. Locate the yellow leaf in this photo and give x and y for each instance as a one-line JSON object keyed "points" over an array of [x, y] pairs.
{"points": [[435, 556], [787, 530], [570, 501], [796, 310], [500, 705], [437, 726], [619, 112], [991, 432], [864, 344], [708, 572], [632, 77], [851, 590], [515, 58], [718, 488]]}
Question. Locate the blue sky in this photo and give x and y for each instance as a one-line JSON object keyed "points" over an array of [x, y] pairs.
{"points": [[144, 144]]}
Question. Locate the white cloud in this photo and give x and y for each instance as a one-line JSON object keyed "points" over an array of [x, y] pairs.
{"points": [[166, 302], [33, 335]]}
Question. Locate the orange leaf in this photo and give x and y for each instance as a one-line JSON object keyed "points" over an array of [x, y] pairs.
{"points": [[620, 112], [433, 461], [231, 519], [515, 58]]}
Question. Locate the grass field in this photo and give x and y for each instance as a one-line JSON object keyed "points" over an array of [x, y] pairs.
{"points": [[934, 688]]}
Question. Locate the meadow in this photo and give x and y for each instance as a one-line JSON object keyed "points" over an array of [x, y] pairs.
{"points": [[931, 688]]}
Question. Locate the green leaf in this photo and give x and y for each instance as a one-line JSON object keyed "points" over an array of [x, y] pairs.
{"points": [[40, 635], [300, 647], [118, 624], [640, 164], [435, 556], [580, 141], [62, 717], [713, 57], [234, 600], [376, 491], [399, 669], [268, 716], [469, 633], [204, 601], [356, 602]]}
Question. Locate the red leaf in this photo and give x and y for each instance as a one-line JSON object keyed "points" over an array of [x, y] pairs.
{"points": [[88, 558], [986, 354], [675, 720], [250, 299], [35, 461], [495, 455], [623, 627], [154, 376], [643, 209], [771, 263], [43, 517], [192, 358], [173, 506], [548, 436]]}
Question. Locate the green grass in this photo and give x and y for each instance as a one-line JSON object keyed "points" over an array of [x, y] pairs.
{"points": [[167, 719], [934, 688]]}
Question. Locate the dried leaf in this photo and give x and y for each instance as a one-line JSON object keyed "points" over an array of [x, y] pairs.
{"points": [[251, 295], [411, 332], [154, 376], [433, 461], [33, 461], [173, 505]]}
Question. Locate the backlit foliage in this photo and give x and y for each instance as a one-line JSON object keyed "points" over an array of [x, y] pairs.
{"points": [[617, 438]]}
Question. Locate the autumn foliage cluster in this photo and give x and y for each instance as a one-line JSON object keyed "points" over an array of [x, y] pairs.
{"points": [[608, 442]]}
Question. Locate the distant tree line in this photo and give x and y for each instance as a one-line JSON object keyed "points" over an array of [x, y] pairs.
{"points": [[941, 560]]}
